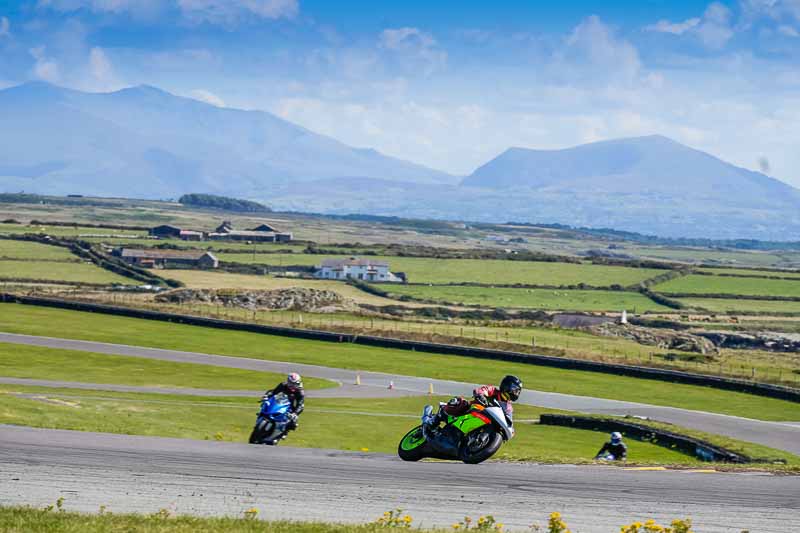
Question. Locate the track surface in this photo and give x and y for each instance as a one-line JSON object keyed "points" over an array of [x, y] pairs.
{"points": [[342, 391], [146, 474], [784, 436]]}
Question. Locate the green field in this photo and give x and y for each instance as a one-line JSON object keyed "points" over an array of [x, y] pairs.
{"points": [[25, 250], [550, 299], [432, 270], [705, 255], [36, 362], [70, 324], [730, 305], [749, 272], [697, 284], [55, 271], [65, 231]]}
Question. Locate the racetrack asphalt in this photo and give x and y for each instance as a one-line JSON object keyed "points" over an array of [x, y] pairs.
{"points": [[146, 474], [784, 436]]}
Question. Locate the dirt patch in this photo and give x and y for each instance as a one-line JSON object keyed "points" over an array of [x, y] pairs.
{"points": [[662, 338], [290, 299]]}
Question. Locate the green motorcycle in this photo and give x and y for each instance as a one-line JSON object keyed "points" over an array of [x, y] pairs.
{"points": [[472, 437]]}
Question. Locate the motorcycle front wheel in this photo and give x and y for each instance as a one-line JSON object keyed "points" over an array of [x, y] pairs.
{"points": [[479, 445], [260, 431], [412, 445]]}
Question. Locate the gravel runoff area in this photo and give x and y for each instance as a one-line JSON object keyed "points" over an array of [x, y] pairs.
{"points": [[784, 436], [146, 474]]}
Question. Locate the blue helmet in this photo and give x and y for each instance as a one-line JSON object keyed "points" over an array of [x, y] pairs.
{"points": [[616, 437]]}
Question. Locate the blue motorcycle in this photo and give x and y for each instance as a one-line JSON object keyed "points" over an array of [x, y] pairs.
{"points": [[273, 419]]}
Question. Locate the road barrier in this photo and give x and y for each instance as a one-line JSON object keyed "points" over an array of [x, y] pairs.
{"points": [[675, 376], [699, 448]]}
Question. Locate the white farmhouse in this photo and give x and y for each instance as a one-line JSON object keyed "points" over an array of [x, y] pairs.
{"points": [[355, 268]]}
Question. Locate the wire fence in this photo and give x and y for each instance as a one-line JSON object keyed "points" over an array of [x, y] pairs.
{"points": [[521, 338]]}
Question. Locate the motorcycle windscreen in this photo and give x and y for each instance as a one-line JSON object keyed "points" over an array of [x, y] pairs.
{"points": [[275, 408]]}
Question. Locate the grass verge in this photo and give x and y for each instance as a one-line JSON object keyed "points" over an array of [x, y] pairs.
{"points": [[36, 362], [30, 320], [29, 520]]}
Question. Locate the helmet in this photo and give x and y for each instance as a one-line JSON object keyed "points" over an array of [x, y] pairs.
{"points": [[294, 381], [511, 387], [616, 437]]}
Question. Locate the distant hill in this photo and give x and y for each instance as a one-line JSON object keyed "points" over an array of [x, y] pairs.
{"points": [[652, 166], [147, 143]]}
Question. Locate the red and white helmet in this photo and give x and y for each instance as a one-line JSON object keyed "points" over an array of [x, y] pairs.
{"points": [[294, 381]]}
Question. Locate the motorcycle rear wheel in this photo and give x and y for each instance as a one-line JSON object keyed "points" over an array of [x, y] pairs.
{"points": [[479, 445], [412, 446]]}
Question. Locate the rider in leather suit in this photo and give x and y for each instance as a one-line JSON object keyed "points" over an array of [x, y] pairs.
{"points": [[508, 392], [292, 387]]}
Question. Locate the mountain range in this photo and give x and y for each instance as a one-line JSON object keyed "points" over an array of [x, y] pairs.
{"points": [[144, 142]]}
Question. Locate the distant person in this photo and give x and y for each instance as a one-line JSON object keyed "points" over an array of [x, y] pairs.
{"points": [[292, 387], [613, 450]]}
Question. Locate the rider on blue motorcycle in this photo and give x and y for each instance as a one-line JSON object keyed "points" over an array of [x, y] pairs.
{"points": [[292, 387]]}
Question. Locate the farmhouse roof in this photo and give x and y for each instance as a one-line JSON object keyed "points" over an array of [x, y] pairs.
{"points": [[265, 227], [353, 261], [242, 233]]}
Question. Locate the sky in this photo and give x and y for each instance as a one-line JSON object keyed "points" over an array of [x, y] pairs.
{"points": [[451, 83]]}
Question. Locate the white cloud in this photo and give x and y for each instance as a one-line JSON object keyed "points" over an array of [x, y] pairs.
{"points": [[713, 29], [207, 97], [414, 48], [104, 6], [594, 53], [229, 12], [753, 10], [222, 12], [675, 28], [788, 31], [101, 70], [405, 39], [5, 27], [44, 68]]}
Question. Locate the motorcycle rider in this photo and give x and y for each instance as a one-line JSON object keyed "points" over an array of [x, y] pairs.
{"points": [[615, 448], [508, 392], [292, 387]]}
